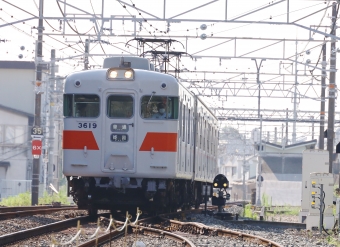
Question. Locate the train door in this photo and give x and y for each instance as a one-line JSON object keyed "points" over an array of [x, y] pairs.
{"points": [[119, 125]]}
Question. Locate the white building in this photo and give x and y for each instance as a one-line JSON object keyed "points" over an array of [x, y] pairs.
{"points": [[15, 151], [17, 100]]}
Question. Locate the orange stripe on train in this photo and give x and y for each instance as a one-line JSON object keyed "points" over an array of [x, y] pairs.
{"points": [[74, 139], [165, 142]]}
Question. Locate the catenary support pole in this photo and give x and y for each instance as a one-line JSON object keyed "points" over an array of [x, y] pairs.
{"points": [[295, 97], [51, 128], [331, 101], [258, 203], [37, 116], [323, 89], [244, 170]]}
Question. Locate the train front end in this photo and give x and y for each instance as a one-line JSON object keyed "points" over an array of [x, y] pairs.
{"points": [[119, 152]]}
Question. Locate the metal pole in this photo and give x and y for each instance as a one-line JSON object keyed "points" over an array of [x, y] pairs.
{"points": [[37, 117], [288, 11], [321, 208], [164, 5], [206, 199], [244, 170], [331, 101], [286, 142], [258, 203], [51, 122], [295, 96], [312, 127], [59, 88], [323, 89], [282, 137], [258, 82], [86, 57]]}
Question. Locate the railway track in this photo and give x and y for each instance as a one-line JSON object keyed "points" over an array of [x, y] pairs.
{"points": [[13, 212], [54, 227], [28, 208], [173, 227], [164, 227]]}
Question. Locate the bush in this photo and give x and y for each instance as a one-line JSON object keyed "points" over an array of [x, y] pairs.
{"points": [[25, 199], [48, 199]]}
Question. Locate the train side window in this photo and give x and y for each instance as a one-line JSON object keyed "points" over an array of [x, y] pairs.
{"points": [[189, 123], [183, 124], [180, 120], [81, 105], [119, 106], [151, 106], [201, 131]]}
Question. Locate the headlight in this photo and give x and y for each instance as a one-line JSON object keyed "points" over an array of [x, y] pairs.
{"points": [[113, 74], [128, 74], [215, 184], [225, 185], [123, 74]]}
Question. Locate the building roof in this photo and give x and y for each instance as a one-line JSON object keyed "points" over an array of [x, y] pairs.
{"points": [[17, 65], [311, 144], [16, 111], [29, 65], [293, 148]]}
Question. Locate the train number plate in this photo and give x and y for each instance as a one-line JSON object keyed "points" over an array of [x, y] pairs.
{"points": [[119, 138], [119, 127]]}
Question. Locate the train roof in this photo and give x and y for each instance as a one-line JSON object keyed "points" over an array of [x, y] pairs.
{"points": [[99, 73]]}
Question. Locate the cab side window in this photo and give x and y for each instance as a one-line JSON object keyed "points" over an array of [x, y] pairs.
{"points": [[159, 107], [81, 105]]}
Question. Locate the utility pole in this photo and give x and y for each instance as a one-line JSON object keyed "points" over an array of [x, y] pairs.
{"points": [[37, 117], [295, 96], [312, 118], [286, 142], [244, 170], [323, 89], [258, 203], [331, 101], [51, 121]]}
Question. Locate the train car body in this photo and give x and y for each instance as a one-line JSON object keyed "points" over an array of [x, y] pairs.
{"points": [[120, 152]]}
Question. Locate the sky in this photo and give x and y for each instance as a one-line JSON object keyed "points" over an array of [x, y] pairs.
{"points": [[239, 72]]}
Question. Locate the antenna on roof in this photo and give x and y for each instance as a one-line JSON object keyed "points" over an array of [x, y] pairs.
{"points": [[124, 64]]}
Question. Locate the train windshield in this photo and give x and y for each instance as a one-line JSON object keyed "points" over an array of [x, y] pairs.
{"points": [[120, 106], [81, 105], [159, 107]]}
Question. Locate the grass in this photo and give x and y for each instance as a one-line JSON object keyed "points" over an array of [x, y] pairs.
{"points": [[287, 210], [333, 240], [24, 199], [248, 212]]}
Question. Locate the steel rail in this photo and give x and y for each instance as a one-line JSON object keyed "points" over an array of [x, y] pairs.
{"points": [[197, 228], [29, 233], [25, 208], [15, 214], [137, 229], [116, 234], [271, 224]]}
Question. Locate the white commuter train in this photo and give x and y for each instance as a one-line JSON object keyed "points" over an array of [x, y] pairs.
{"points": [[120, 153]]}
